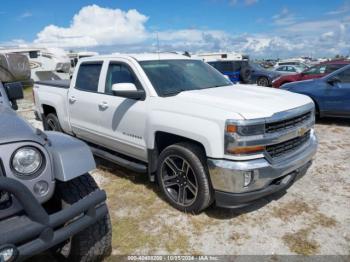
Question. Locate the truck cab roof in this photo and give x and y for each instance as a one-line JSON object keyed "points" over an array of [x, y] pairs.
{"points": [[139, 57]]}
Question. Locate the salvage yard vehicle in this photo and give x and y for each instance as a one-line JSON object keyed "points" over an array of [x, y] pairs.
{"points": [[316, 71], [48, 200], [200, 137], [331, 93], [234, 66]]}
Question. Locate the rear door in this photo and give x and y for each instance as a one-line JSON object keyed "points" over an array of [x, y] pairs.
{"points": [[337, 95], [82, 101], [122, 120]]}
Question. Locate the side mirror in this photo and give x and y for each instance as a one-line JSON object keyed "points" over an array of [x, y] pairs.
{"points": [[128, 90], [333, 80], [14, 92]]}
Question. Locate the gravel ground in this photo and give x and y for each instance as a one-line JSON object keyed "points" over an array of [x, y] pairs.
{"points": [[312, 218]]}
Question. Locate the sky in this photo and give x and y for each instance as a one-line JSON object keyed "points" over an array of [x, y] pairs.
{"points": [[259, 28]]}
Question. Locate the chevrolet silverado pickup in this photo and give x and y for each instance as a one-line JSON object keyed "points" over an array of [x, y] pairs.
{"points": [[183, 123]]}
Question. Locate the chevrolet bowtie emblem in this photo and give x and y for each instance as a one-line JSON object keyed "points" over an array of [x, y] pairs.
{"points": [[302, 131]]}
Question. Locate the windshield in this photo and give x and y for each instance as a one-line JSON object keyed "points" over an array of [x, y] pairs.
{"points": [[256, 66], [170, 77]]}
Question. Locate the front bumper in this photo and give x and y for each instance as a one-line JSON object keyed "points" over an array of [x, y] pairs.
{"points": [[227, 177], [36, 231]]}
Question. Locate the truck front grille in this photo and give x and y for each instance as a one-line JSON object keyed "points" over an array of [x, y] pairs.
{"points": [[287, 123], [286, 147], [5, 198]]}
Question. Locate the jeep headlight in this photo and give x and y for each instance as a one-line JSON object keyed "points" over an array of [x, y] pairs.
{"points": [[27, 161], [234, 131]]}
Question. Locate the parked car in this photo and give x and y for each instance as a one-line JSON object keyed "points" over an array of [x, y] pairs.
{"points": [[316, 71], [290, 69], [48, 200], [296, 62], [237, 71], [331, 93], [262, 76], [183, 123]]}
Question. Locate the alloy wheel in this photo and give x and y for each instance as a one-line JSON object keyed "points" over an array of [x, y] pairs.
{"points": [[179, 180]]}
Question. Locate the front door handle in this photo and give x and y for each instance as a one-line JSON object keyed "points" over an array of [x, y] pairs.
{"points": [[103, 105], [72, 99]]}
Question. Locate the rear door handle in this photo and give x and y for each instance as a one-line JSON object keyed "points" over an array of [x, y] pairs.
{"points": [[103, 105], [72, 99]]}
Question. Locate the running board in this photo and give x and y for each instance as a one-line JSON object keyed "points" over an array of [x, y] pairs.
{"points": [[133, 166]]}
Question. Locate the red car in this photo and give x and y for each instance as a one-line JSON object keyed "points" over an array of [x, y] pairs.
{"points": [[316, 71]]}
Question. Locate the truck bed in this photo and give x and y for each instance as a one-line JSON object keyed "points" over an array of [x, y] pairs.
{"points": [[55, 83]]}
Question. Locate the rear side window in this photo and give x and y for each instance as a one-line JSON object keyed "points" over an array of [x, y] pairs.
{"points": [[332, 68], [344, 76], [222, 66], [88, 77]]}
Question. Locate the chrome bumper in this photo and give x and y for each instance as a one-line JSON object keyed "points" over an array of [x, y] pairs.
{"points": [[228, 176]]}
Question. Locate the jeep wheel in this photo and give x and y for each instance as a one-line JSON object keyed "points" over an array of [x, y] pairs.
{"points": [[183, 177], [51, 123], [94, 242], [263, 81]]}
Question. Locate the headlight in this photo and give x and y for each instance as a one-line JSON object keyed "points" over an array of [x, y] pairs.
{"points": [[276, 79], [27, 161], [233, 131]]}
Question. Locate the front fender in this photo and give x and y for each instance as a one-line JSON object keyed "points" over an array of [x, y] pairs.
{"points": [[71, 157]]}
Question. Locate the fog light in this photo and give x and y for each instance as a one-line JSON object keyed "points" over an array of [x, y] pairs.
{"points": [[41, 188], [8, 253], [248, 177]]}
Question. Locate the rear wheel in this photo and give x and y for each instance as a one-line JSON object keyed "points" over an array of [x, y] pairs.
{"points": [[183, 177], [263, 81], [93, 243], [51, 123]]}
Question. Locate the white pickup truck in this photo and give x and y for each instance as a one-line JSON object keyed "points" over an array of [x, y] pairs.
{"points": [[182, 122]]}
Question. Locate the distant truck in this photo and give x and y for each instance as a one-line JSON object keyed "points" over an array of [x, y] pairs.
{"points": [[48, 200], [235, 66], [178, 119]]}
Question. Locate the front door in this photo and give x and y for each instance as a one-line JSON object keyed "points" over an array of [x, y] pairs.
{"points": [[337, 95], [122, 120], [314, 72]]}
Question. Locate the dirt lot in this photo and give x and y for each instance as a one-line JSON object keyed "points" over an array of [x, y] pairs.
{"points": [[313, 217]]}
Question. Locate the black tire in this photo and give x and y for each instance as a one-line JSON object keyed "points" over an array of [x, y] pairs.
{"points": [[51, 123], [193, 183], [245, 75], [263, 81], [93, 243]]}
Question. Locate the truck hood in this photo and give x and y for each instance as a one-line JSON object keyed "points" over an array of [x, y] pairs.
{"points": [[13, 128], [249, 101]]}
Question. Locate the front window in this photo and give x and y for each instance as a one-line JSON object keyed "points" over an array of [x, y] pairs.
{"points": [[119, 73], [316, 70], [170, 77]]}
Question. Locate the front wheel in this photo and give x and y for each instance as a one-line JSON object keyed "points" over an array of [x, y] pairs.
{"points": [[263, 81], [183, 177], [51, 123], [93, 243]]}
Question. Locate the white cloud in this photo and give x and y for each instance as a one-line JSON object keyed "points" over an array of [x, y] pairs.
{"points": [[94, 26], [113, 30], [285, 17], [25, 15], [245, 2], [345, 8], [250, 2]]}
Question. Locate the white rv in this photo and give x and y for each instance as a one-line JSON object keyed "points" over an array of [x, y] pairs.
{"points": [[45, 63]]}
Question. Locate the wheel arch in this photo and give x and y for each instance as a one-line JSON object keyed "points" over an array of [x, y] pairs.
{"points": [[161, 141]]}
